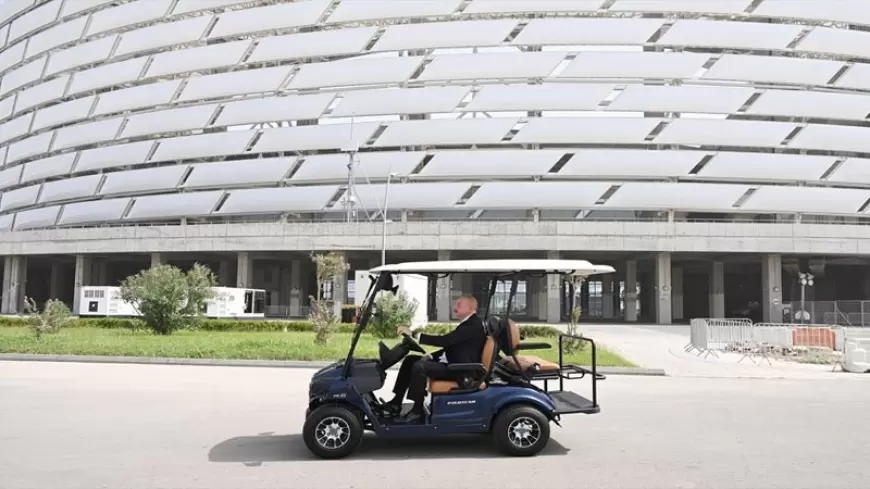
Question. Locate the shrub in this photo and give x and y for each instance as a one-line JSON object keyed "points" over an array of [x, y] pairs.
{"points": [[168, 298], [329, 266], [54, 315], [392, 311]]}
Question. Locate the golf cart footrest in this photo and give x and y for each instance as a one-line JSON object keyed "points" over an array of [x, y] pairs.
{"points": [[572, 403]]}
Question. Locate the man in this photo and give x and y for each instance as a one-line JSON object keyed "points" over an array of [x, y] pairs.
{"points": [[462, 345]]}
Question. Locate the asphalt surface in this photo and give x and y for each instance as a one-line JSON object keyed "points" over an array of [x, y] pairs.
{"points": [[139, 426]]}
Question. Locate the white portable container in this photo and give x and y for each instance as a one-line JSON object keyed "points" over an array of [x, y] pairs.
{"points": [[415, 287], [228, 302]]}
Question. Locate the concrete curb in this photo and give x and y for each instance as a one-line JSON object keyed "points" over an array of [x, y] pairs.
{"points": [[26, 357]]}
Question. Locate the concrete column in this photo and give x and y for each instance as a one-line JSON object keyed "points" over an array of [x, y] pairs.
{"points": [[554, 293], [664, 288], [156, 260], [284, 286], [54, 281], [102, 273], [717, 290], [7, 284], [244, 271], [443, 292], [607, 296], [224, 273], [771, 285], [296, 288], [677, 296], [631, 290], [532, 287], [82, 277]]}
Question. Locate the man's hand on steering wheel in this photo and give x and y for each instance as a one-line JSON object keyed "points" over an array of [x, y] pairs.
{"points": [[405, 330]]}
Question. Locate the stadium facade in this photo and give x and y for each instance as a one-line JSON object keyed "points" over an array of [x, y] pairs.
{"points": [[709, 150]]}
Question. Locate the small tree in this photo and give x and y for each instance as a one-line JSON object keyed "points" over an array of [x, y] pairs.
{"points": [[168, 298], [392, 311], [571, 345], [54, 315], [329, 266]]}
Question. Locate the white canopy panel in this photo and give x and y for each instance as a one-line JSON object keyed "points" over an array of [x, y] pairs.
{"points": [[613, 163], [94, 211], [33, 20], [682, 98], [171, 120], [376, 165], [37, 218], [48, 167], [198, 58], [41, 93], [628, 64], [836, 41], [278, 16], [275, 109], [490, 163], [848, 11], [729, 34], [588, 31], [80, 54], [682, 6], [573, 267], [72, 8], [767, 166], [128, 14], [411, 196], [809, 200], [678, 196], [87, 133], [241, 82], [490, 66], [74, 110], [31, 146], [168, 206], [548, 96], [203, 145], [306, 138], [423, 100], [71, 188], [162, 35], [355, 72], [111, 156], [858, 76], [283, 199], [145, 180], [537, 195], [833, 138], [852, 171], [55, 36], [525, 6], [475, 33], [313, 44], [17, 127], [239, 172], [142, 96], [11, 56], [20, 197], [772, 69], [22, 75], [10, 177], [187, 6], [359, 10], [802, 103], [6, 219], [579, 130], [6, 106], [446, 131], [107, 75], [721, 132]]}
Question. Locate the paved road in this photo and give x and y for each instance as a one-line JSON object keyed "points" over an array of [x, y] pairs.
{"points": [[134, 426]]}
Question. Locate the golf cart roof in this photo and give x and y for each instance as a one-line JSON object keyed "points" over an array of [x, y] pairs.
{"points": [[565, 267]]}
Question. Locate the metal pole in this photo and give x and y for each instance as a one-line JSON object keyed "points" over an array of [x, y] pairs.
{"points": [[803, 300], [384, 214]]}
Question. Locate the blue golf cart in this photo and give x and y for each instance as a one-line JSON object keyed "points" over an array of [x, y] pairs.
{"points": [[497, 396]]}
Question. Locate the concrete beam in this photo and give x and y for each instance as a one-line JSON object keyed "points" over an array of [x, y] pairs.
{"points": [[495, 236]]}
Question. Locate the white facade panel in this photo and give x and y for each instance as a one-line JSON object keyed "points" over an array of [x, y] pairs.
{"points": [[833, 138], [679, 6], [128, 14], [31, 146], [234, 83], [858, 76], [313, 44], [836, 41], [475, 33], [75, 6], [94, 211], [808, 200], [203, 145], [23, 75], [148, 179], [4, 31], [87, 133], [492, 66], [6, 219], [142, 96], [11, 56], [589, 31], [49, 167], [272, 200], [771, 69], [73, 110], [113, 156], [17, 127], [79, 55], [683, 98], [302, 138], [634, 65], [168, 206], [200, 58], [71, 188], [714, 132], [359, 10], [412, 196], [686, 196], [107, 75], [171, 120], [35, 19], [10, 177], [349, 72], [728, 34], [586, 130], [55, 36], [423, 100], [187, 6], [279, 16], [239, 172], [800, 103], [849, 11], [448, 131], [490, 163], [548, 96], [161, 35], [274, 109], [767, 166], [852, 171], [37, 218], [41, 93], [6, 106], [615, 163], [22, 197], [528, 6], [537, 195], [9, 8], [372, 166]]}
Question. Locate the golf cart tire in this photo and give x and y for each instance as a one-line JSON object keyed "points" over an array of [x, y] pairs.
{"points": [[347, 419], [510, 420]]}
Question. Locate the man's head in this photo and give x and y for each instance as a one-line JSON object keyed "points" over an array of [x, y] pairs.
{"points": [[465, 306]]}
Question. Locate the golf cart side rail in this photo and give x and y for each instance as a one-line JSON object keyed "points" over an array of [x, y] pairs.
{"points": [[571, 371]]}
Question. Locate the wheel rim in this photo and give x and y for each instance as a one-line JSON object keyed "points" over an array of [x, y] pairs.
{"points": [[332, 433], [524, 432]]}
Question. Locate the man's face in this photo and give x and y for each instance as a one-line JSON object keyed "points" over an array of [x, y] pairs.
{"points": [[462, 308]]}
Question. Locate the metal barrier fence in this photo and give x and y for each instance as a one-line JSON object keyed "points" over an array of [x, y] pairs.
{"points": [[855, 314], [708, 336]]}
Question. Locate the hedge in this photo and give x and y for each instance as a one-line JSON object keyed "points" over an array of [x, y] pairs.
{"points": [[237, 325]]}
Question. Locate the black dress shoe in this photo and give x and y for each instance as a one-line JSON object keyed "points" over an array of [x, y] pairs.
{"points": [[414, 418]]}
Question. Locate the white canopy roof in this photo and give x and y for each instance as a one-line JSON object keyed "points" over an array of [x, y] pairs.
{"points": [[573, 267]]}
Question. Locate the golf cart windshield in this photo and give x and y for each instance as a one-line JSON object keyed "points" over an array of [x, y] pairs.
{"points": [[383, 279]]}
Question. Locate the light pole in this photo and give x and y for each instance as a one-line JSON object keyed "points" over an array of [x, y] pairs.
{"points": [[384, 214], [806, 280]]}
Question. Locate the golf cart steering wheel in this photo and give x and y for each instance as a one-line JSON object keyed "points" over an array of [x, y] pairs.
{"points": [[412, 344]]}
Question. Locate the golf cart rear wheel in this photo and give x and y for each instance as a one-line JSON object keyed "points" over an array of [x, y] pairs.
{"points": [[332, 431], [521, 431]]}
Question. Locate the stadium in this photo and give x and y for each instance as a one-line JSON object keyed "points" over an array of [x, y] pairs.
{"points": [[711, 151]]}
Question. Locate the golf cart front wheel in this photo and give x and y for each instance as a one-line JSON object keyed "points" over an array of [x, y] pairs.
{"points": [[521, 431], [332, 431]]}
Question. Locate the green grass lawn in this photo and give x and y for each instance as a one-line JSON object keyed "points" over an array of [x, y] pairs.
{"points": [[228, 345]]}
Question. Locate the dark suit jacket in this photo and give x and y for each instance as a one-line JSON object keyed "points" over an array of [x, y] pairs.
{"points": [[462, 345]]}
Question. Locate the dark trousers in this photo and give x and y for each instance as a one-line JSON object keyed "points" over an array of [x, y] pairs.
{"points": [[414, 374]]}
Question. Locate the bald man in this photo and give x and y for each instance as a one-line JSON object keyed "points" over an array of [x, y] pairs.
{"points": [[462, 345]]}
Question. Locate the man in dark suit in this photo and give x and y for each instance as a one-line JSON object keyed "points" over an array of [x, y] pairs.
{"points": [[462, 345]]}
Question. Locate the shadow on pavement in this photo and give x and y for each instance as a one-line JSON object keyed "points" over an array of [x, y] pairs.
{"points": [[254, 450]]}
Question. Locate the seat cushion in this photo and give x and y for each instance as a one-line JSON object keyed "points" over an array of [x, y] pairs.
{"points": [[445, 386], [528, 361]]}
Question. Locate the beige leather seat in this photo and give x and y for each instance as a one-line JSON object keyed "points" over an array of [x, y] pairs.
{"points": [[526, 362], [445, 386]]}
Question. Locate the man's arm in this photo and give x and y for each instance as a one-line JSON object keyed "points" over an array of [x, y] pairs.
{"points": [[463, 332]]}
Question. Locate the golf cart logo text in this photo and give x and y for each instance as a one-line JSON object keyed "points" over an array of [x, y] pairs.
{"points": [[454, 403]]}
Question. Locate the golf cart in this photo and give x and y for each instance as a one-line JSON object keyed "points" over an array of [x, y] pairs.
{"points": [[496, 396]]}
